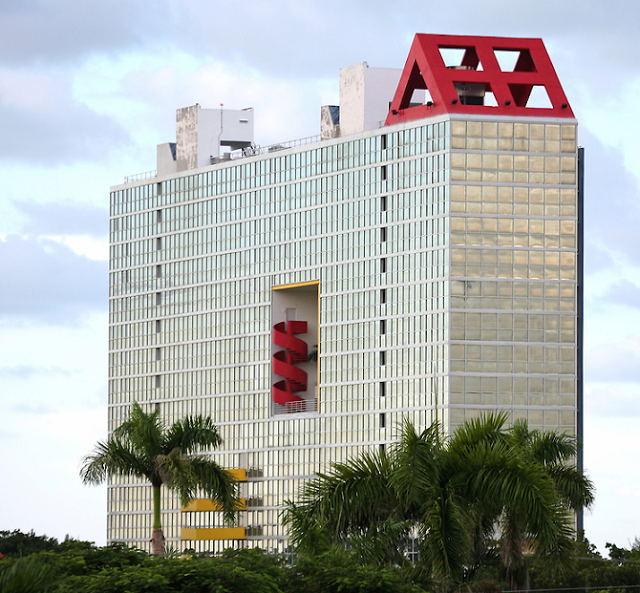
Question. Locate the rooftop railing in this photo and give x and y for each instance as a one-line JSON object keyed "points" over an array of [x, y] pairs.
{"points": [[257, 150], [241, 153], [140, 176]]}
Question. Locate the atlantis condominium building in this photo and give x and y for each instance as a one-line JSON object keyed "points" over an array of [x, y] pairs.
{"points": [[419, 259]]}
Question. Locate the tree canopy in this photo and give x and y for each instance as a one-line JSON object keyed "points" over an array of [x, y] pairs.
{"points": [[487, 490], [75, 567]]}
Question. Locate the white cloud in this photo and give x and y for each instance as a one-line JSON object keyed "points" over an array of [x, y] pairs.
{"points": [[47, 282], [611, 451], [41, 31], [53, 383], [64, 218], [42, 123]]}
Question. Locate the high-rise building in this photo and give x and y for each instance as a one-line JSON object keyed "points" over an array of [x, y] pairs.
{"points": [[420, 259]]}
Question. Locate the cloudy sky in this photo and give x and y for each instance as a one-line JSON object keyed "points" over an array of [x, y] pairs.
{"points": [[89, 88]]}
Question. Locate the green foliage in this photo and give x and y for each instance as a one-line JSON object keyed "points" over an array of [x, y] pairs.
{"points": [[17, 543], [590, 570], [622, 555], [75, 567], [27, 575], [83, 558], [453, 495], [240, 571], [337, 571]]}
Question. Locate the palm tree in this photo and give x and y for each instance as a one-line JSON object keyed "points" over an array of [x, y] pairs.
{"points": [[144, 447], [451, 494], [553, 453], [353, 502]]}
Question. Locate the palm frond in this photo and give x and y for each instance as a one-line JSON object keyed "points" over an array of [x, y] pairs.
{"points": [[417, 464], [484, 429], [143, 430], [512, 543], [445, 534], [111, 457], [307, 534], [354, 495], [190, 435], [382, 544], [498, 473], [575, 489], [559, 555], [217, 484], [28, 575], [519, 432], [190, 474], [551, 447]]}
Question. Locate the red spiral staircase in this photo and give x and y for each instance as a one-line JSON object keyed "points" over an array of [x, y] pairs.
{"points": [[295, 350]]}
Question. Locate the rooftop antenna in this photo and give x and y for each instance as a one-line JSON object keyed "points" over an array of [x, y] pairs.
{"points": [[220, 134]]}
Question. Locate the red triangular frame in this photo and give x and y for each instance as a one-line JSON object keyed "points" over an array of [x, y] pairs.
{"points": [[425, 69]]}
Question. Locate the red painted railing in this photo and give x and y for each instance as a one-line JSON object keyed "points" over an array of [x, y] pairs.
{"points": [[295, 350]]}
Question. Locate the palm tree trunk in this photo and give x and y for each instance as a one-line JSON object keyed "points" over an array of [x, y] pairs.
{"points": [[157, 537]]}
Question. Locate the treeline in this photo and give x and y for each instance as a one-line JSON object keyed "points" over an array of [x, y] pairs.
{"points": [[32, 563]]}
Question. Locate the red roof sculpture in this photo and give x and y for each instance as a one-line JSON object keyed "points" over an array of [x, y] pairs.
{"points": [[478, 84]]}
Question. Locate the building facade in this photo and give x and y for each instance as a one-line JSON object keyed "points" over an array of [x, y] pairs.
{"points": [[310, 297]]}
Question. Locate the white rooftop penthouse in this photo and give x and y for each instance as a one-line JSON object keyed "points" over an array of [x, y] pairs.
{"points": [[200, 136]]}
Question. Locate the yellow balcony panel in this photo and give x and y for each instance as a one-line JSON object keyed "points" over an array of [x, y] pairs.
{"points": [[213, 533], [239, 475], [206, 504]]}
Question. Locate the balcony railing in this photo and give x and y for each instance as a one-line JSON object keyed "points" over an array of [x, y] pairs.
{"points": [[300, 407]]}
